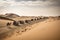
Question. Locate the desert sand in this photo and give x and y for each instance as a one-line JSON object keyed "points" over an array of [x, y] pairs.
{"points": [[46, 30]]}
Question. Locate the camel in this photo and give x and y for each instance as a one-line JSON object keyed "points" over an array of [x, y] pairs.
{"points": [[8, 24]]}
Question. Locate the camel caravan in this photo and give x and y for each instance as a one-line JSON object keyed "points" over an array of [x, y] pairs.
{"points": [[21, 22]]}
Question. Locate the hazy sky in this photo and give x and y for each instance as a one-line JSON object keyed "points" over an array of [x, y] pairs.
{"points": [[30, 7]]}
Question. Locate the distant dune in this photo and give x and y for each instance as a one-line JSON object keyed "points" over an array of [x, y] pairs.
{"points": [[11, 15]]}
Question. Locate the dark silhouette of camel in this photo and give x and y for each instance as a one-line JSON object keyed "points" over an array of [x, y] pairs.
{"points": [[8, 24]]}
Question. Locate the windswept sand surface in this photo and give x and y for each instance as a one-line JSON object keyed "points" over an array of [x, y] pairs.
{"points": [[47, 30]]}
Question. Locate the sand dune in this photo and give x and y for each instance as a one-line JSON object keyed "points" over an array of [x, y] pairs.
{"points": [[47, 30], [43, 32]]}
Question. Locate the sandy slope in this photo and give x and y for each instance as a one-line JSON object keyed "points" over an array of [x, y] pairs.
{"points": [[43, 31]]}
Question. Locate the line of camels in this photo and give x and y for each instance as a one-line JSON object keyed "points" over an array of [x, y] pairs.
{"points": [[17, 23]]}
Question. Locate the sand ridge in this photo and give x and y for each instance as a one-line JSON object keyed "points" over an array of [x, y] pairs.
{"points": [[47, 30]]}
